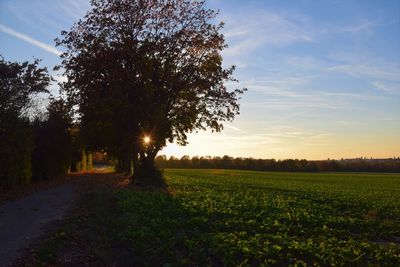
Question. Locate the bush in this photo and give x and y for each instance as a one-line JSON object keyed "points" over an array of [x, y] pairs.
{"points": [[148, 175], [16, 145]]}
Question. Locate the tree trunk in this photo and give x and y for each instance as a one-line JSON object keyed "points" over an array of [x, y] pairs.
{"points": [[146, 173], [124, 163], [136, 165]]}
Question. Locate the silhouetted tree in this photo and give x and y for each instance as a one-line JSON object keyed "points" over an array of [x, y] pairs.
{"points": [[147, 68], [185, 161], [52, 154], [19, 82], [292, 165]]}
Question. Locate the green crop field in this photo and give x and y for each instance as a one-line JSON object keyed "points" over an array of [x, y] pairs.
{"points": [[226, 217]]}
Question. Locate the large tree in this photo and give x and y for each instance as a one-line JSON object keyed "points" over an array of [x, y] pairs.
{"points": [[147, 69]]}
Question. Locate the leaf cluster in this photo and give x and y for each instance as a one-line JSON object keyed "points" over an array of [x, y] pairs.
{"points": [[18, 83]]}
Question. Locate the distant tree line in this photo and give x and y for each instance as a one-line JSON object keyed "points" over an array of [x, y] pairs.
{"points": [[292, 165], [34, 147]]}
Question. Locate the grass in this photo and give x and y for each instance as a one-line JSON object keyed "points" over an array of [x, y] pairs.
{"points": [[244, 218]]}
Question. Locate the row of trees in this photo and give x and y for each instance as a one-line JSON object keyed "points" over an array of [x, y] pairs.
{"points": [[295, 165], [32, 147]]}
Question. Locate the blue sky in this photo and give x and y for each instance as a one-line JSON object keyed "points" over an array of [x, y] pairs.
{"points": [[323, 77]]}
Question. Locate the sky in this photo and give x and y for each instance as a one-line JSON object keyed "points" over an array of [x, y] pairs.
{"points": [[323, 77]]}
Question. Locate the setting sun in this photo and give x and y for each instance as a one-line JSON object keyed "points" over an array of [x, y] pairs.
{"points": [[146, 139]]}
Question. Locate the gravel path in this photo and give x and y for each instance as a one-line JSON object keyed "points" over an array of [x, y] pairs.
{"points": [[22, 220]]}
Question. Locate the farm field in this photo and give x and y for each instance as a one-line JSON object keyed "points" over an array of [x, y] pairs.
{"points": [[226, 217], [245, 218]]}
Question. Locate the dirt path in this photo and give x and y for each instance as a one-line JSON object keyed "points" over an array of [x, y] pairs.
{"points": [[22, 220]]}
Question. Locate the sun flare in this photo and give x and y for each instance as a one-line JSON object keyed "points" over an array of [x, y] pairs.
{"points": [[146, 139]]}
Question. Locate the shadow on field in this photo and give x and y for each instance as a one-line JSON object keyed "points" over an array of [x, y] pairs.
{"points": [[158, 229], [118, 224]]}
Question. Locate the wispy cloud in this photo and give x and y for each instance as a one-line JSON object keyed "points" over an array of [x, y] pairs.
{"points": [[293, 94], [231, 127], [75, 9], [291, 132], [365, 65], [241, 140], [360, 26], [363, 69], [30, 40], [305, 103], [253, 29], [48, 17], [388, 87], [364, 25]]}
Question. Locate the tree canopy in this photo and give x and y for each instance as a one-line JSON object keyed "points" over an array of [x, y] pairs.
{"points": [[147, 68], [18, 83]]}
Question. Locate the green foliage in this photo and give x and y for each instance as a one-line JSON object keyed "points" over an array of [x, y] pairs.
{"points": [[19, 82], [243, 218], [16, 145]]}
